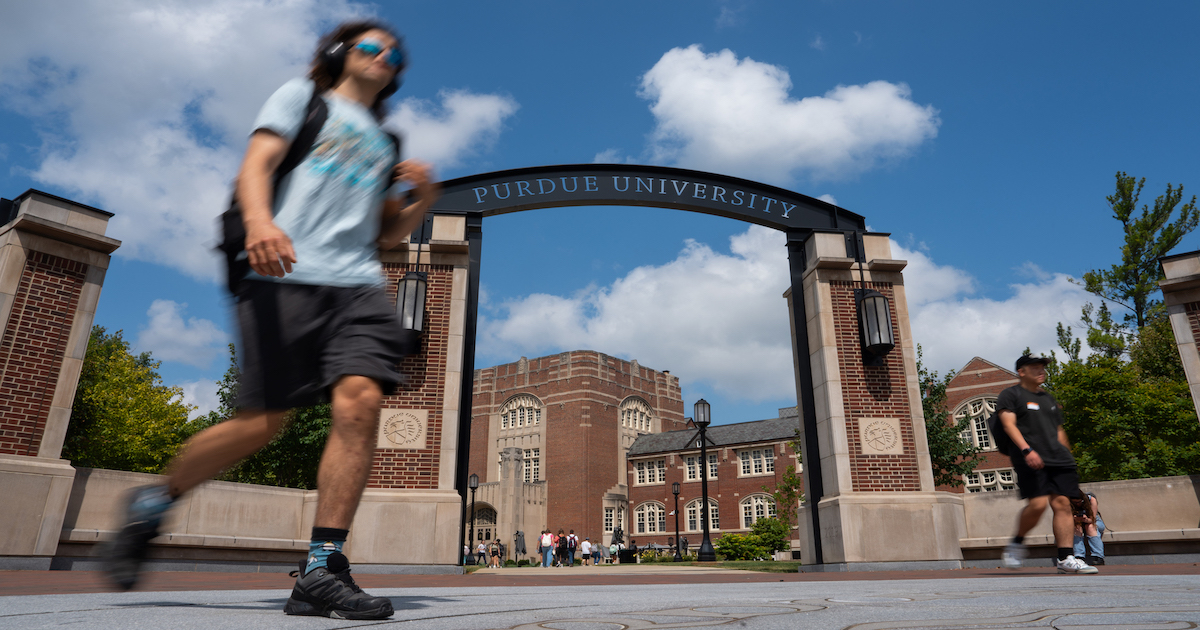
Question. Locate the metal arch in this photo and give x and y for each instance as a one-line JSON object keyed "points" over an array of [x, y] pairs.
{"points": [[536, 187], [532, 188]]}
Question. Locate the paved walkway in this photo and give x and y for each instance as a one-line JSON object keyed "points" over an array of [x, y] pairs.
{"points": [[1149, 597]]}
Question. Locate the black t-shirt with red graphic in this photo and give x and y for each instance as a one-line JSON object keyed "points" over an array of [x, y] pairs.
{"points": [[1038, 419]]}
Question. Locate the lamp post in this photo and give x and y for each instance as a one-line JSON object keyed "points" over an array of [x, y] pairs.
{"points": [[702, 419], [473, 484], [675, 491]]}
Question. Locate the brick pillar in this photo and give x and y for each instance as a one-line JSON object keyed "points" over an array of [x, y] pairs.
{"points": [[53, 256], [411, 511], [878, 502], [1181, 295]]}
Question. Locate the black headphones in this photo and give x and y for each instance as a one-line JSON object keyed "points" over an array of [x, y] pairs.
{"points": [[334, 60]]}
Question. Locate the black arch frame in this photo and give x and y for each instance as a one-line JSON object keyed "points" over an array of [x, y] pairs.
{"points": [[532, 188]]}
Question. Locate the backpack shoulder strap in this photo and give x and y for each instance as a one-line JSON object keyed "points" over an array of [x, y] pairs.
{"points": [[314, 118]]}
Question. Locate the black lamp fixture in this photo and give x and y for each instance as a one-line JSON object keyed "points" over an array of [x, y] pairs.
{"points": [[410, 301], [874, 320], [410, 294], [675, 491], [701, 418], [473, 484]]}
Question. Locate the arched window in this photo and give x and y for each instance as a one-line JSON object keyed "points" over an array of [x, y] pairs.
{"points": [[485, 524], [971, 418], [756, 506], [522, 410], [636, 414], [693, 515], [650, 518]]}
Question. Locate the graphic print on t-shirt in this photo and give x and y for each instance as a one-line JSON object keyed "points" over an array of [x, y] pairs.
{"points": [[343, 151]]}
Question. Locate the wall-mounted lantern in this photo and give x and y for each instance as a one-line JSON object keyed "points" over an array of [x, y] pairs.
{"points": [[410, 301], [874, 325]]}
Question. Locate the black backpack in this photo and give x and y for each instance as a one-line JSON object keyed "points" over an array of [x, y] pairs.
{"points": [[233, 230], [1004, 444]]}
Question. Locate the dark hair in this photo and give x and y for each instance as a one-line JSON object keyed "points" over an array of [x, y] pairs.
{"points": [[345, 32]]}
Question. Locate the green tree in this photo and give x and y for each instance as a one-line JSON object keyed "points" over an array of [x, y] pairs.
{"points": [[1148, 237], [123, 417], [952, 456], [1124, 425], [774, 533], [789, 491], [291, 459]]}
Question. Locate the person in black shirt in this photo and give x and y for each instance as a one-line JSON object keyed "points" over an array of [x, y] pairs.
{"points": [[1042, 460]]}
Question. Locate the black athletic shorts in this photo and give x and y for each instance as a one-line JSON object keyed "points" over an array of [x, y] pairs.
{"points": [[1048, 480], [299, 339]]}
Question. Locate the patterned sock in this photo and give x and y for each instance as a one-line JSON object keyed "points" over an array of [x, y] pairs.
{"points": [[150, 504], [325, 541]]}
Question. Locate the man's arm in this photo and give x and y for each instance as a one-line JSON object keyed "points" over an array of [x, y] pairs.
{"points": [[1062, 437], [268, 248], [399, 221], [1008, 420]]}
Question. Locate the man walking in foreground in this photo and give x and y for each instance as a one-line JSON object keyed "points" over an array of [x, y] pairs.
{"points": [[1041, 457], [316, 323]]}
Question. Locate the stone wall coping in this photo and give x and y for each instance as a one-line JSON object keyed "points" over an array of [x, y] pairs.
{"points": [[1155, 535], [883, 264], [64, 233], [178, 539]]}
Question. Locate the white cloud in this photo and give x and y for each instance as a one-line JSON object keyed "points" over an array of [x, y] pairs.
{"points": [[201, 394], [144, 106], [719, 318], [193, 342], [720, 113], [828, 198], [707, 316], [952, 327], [463, 125], [817, 43]]}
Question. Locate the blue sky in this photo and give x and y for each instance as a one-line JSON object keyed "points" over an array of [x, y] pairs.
{"points": [[983, 137]]}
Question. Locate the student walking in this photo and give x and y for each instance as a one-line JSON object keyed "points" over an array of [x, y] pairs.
{"points": [[1041, 457], [315, 321]]}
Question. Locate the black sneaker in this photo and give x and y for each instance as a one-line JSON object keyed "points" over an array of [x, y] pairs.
{"points": [[330, 592], [123, 555]]}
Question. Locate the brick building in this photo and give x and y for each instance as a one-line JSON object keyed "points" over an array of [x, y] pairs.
{"points": [[971, 399], [555, 429], [743, 458]]}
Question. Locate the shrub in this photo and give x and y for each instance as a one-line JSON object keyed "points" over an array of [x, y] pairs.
{"points": [[742, 547]]}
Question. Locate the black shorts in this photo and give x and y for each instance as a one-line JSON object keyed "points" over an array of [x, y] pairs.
{"points": [[299, 339], [1048, 480]]}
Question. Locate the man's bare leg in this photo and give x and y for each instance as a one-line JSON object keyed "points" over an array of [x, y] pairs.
{"points": [[218, 447], [1031, 514], [346, 462], [1064, 521]]}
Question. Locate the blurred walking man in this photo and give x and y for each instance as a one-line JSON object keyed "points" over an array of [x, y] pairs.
{"points": [[316, 324], [1041, 457]]}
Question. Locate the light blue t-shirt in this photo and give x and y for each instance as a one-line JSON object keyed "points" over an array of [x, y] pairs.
{"points": [[331, 204]]}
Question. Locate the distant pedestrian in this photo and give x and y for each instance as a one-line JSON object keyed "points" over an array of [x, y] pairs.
{"points": [[560, 546], [481, 552], [585, 551], [572, 545], [546, 547], [1041, 457], [494, 554]]}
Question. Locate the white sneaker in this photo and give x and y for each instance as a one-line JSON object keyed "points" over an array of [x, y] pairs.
{"points": [[1013, 556], [1075, 565]]}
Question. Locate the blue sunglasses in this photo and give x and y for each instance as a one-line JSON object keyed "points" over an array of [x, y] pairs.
{"points": [[372, 48]]}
